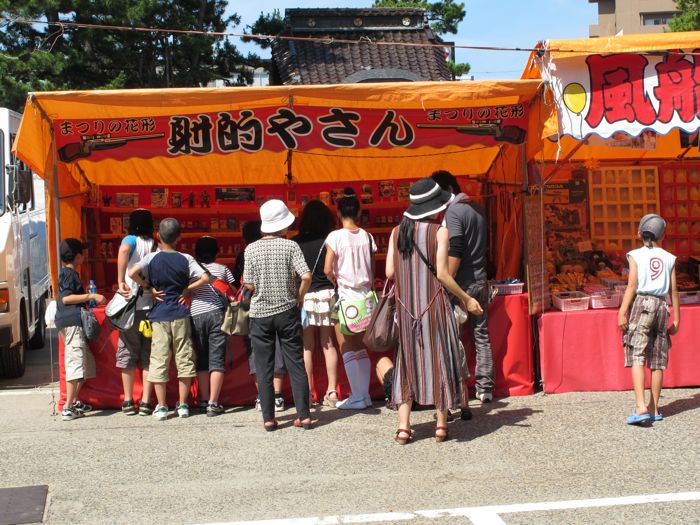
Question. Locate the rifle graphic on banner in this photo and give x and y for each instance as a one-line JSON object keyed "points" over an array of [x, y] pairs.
{"points": [[510, 134], [84, 148]]}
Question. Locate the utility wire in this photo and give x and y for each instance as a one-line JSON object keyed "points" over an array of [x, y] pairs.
{"points": [[320, 40]]}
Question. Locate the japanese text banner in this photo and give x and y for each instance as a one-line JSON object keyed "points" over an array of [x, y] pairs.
{"points": [[606, 94], [282, 128]]}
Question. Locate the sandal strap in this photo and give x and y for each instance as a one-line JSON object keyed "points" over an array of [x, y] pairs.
{"points": [[404, 431], [441, 428]]}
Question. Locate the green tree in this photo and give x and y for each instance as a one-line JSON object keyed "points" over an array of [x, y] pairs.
{"points": [[688, 16], [41, 57], [444, 17]]}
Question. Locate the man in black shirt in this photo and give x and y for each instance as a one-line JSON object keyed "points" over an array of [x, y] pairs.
{"points": [[468, 231]]}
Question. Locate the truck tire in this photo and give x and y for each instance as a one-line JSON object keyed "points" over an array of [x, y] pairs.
{"points": [[39, 337], [12, 360]]}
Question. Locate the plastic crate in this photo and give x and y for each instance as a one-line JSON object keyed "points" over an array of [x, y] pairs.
{"points": [[568, 301], [686, 298], [620, 288], [508, 289], [606, 300], [612, 283]]}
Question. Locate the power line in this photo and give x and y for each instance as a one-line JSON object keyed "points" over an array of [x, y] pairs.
{"points": [[321, 40]]}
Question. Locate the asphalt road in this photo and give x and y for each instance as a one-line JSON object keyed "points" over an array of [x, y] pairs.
{"points": [[110, 468]]}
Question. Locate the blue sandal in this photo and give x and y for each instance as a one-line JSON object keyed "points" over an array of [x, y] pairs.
{"points": [[638, 419], [658, 417]]}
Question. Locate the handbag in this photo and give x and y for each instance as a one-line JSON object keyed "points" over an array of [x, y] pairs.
{"points": [[383, 333], [237, 315], [90, 325], [354, 315], [121, 312]]}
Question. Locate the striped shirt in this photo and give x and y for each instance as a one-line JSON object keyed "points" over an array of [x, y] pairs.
{"points": [[204, 298]]}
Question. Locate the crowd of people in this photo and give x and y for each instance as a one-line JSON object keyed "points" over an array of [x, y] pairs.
{"points": [[436, 263]]}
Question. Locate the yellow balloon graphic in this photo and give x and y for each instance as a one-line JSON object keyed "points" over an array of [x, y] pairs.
{"points": [[575, 97]]}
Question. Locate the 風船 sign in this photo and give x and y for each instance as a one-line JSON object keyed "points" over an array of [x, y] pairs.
{"points": [[605, 94]]}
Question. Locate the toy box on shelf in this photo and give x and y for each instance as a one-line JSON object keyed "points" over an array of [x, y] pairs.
{"points": [[507, 287], [680, 206], [221, 212]]}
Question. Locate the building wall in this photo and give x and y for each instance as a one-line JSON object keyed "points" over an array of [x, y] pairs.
{"points": [[627, 17]]}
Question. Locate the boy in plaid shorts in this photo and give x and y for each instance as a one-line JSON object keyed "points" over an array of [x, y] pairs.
{"points": [[646, 332]]}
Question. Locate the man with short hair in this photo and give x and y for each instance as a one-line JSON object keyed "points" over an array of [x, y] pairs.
{"points": [[468, 231]]}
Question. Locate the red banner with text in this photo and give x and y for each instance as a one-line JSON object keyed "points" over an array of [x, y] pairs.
{"points": [[285, 128]]}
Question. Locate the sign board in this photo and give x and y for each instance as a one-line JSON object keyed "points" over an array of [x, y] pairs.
{"points": [[535, 255], [287, 128], [639, 94]]}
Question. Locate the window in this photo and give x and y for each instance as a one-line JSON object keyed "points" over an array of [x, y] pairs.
{"points": [[656, 19], [2, 173]]}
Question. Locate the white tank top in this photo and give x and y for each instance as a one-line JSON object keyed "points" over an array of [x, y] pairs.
{"points": [[654, 267], [143, 248]]}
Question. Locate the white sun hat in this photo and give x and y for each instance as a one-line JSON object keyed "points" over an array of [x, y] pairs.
{"points": [[275, 216]]}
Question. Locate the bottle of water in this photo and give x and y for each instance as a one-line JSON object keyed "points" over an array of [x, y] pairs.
{"points": [[92, 288]]}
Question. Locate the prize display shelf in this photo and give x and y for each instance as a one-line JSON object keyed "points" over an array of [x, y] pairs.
{"points": [[618, 198], [680, 206]]}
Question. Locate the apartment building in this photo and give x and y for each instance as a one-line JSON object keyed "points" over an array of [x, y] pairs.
{"points": [[627, 17]]}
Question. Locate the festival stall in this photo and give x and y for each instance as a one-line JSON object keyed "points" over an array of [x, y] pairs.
{"points": [[210, 157], [623, 143]]}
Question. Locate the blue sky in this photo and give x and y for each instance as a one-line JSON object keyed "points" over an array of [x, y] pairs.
{"points": [[508, 23]]}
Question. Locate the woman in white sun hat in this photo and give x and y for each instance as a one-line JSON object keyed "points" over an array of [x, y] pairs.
{"points": [[271, 265]]}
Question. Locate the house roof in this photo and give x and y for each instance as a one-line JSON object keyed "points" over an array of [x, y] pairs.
{"points": [[332, 62]]}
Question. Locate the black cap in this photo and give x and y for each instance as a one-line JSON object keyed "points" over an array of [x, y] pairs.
{"points": [[71, 247]]}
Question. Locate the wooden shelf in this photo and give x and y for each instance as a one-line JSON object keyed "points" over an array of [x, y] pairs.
{"points": [[217, 210], [224, 234], [113, 260]]}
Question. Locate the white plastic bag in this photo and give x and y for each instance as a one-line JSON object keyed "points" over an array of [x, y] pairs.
{"points": [[50, 315]]}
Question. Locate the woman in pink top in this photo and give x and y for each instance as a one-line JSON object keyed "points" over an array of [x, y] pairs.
{"points": [[349, 266]]}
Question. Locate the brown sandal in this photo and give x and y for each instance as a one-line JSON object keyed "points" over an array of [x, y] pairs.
{"points": [[306, 424], [441, 438], [403, 441], [331, 401]]}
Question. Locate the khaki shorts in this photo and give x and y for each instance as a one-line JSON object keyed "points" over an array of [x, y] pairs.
{"points": [[646, 339], [78, 359], [171, 337]]}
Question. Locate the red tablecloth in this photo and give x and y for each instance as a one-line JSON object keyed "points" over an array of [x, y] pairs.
{"points": [[509, 327], [581, 351]]}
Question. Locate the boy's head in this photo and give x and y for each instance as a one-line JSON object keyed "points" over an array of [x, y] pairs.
{"points": [[141, 223], [206, 249], [447, 181], [72, 251], [652, 227], [169, 231]]}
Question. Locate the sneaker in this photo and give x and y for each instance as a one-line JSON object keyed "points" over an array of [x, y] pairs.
{"points": [[279, 404], [450, 417], [160, 413], [484, 397], [183, 410], [129, 408], [352, 403], [258, 406], [203, 405], [214, 409], [145, 409], [81, 407], [69, 413]]}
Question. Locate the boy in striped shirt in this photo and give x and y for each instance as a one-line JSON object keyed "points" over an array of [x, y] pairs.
{"points": [[207, 311]]}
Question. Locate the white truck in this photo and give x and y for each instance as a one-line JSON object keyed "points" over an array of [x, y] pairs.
{"points": [[24, 262]]}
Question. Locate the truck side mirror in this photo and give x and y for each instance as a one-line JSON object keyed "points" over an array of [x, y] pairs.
{"points": [[20, 184]]}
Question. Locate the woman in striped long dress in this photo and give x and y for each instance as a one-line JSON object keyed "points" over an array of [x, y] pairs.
{"points": [[429, 362]]}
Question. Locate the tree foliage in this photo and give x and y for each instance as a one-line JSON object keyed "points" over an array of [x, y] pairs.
{"points": [[688, 16], [40, 57], [444, 16]]}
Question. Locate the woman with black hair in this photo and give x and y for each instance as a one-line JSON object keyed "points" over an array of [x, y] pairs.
{"points": [[349, 265], [315, 224], [429, 363], [134, 349]]}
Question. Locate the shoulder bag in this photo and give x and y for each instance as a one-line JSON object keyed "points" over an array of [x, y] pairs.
{"points": [[90, 325], [383, 333], [354, 315], [237, 315], [121, 312]]}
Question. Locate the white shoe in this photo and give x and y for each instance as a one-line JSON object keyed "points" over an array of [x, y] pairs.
{"points": [[484, 397], [183, 410], [160, 413], [352, 403]]}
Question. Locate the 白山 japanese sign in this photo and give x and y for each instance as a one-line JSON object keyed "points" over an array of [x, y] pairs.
{"points": [[285, 128], [606, 94]]}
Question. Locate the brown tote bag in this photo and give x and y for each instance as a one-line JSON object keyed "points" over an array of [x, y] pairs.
{"points": [[383, 333]]}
